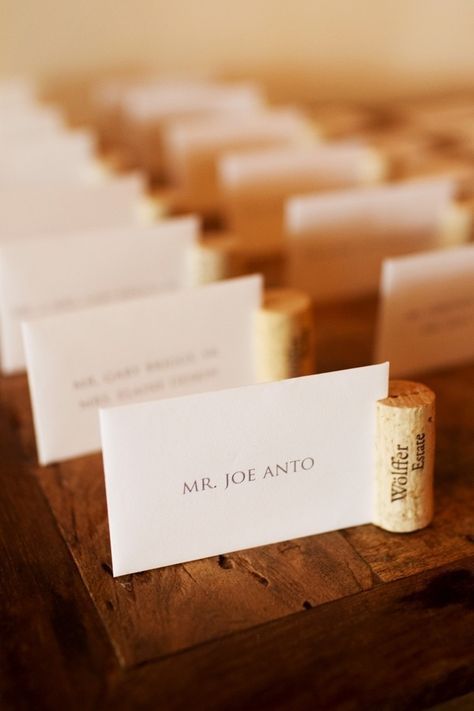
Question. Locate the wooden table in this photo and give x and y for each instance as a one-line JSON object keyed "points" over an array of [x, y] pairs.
{"points": [[355, 619]]}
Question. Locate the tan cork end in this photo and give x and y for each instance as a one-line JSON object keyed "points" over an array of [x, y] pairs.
{"points": [[285, 335], [405, 442], [215, 258]]}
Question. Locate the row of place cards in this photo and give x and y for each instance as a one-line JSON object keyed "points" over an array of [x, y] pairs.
{"points": [[190, 475], [119, 350], [124, 354]]}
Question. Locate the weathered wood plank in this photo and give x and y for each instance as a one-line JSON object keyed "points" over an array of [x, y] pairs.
{"points": [[53, 647], [16, 406], [403, 645], [161, 611]]}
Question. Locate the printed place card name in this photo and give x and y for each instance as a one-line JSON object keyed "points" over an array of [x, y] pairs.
{"points": [[186, 341], [212, 473], [46, 275], [426, 312], [247, 476]]}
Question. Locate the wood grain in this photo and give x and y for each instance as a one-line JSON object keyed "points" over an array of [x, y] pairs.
{"points": [[403, 645], [53, 647], [149, 614]]}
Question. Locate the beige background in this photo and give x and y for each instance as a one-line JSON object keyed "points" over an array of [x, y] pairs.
{"points": [[301, 48]]}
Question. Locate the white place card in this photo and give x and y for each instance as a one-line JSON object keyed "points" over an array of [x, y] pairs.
{"points": [[45, 276], [65, 156], [17, 91], [173, 100], [337, 241], [28, 121], [198, 476], [193, 147], [55, 209], [146, 111], [426, 312], [255, 184], [171, 344]]}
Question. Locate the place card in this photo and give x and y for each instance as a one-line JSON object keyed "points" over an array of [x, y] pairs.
{"points": [[255, 184], [193, 147], [208, 474], [65, 156], [28, 121], [44, 276], [186, 341], [147, 111], [111, 98], [16, 91], [337, 241], [426, 312], [28, 211]]}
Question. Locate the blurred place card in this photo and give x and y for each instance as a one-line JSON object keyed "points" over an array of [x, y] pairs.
{"points": [[66, 156], [255, 184], [44, 276], [16, 92], [193, 147], [337, 242], [426, 316], [197, 476], [20, 122], [177, 343], [171, 100], [147, 110], [54, 209]]}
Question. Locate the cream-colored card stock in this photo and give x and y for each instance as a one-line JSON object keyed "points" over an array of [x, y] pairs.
{"points": [[337, 242], [148, 111], [197, 476], [193, 147], [17, 91], [44, 276], [186, 341], [255, 184], [27, 122], [64, 157], [54, 209], [151, 103], [426, 316]]}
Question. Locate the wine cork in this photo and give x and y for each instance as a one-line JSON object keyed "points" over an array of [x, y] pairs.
{"points": [[405, 457], [455, 225], [148, 210], [285, 335], [162, 203], [214, 258], [374, 168]]}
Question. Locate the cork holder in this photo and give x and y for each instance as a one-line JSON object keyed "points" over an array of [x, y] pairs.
{"points": [[405, 444], [285, 341], [215, 258]]}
